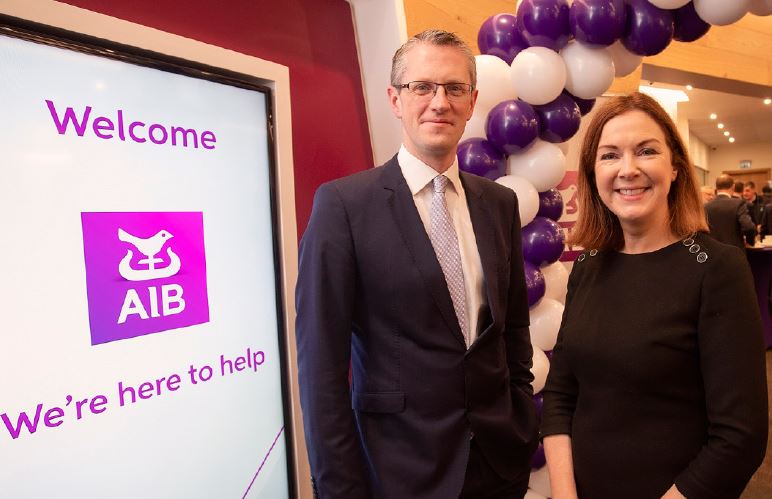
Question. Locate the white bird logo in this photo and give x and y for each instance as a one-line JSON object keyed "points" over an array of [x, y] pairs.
{"points": [[149, 247]]}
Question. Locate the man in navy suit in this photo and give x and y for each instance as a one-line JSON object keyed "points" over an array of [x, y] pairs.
{"points": [[440, 403], [728, 216]]}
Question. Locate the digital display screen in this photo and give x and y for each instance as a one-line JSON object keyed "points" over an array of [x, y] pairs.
{"points": [[140, 336]]}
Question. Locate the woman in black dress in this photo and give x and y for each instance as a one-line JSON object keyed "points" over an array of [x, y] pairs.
{"points": [[657, 385]]}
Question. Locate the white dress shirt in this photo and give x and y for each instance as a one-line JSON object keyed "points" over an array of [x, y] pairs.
{"points": [[419, 178]]}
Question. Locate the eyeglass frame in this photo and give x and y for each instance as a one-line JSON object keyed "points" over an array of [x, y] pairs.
{"points": [[436, 87]]}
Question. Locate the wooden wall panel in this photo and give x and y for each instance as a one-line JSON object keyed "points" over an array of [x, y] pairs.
{"points": [[742, 51]]}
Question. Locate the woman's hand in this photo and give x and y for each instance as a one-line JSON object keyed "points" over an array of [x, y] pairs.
{"points": [[673, 493]]}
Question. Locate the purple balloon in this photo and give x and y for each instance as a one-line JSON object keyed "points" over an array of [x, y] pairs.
{"points": [[559, 120], [512, 126], [550, 204], [688, 25], [538, 460], [499, 36], [598, 22], [548, 353], [534, 283], [542, 241], [648, 29], [480, 157], [544, 23], [585, 105]]}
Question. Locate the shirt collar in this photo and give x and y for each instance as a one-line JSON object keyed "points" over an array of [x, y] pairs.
{"points": [[418, 174]]}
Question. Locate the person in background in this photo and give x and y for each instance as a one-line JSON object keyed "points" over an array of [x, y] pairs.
{"points": [[755, 202], [728, 217], [765, 229], [708, 193], [739, 187], [657, 386], [766, 194], [413, 273]]}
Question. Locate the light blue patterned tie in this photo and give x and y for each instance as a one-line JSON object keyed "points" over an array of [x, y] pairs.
{"points": [[445, 243]]}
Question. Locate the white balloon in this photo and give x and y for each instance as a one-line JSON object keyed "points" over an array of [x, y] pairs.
{"points": [[625, 61], [527, 196], [475, 127], [721, 12], [530, 494], [556, 281], [539, 481], [589, 70], [493, 82], [545, 323], [538, 75], [540, 368], [761, 7], [543, 164], [669, 4]]}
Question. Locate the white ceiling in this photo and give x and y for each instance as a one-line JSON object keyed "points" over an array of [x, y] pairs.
{"points": [[747, 119]]}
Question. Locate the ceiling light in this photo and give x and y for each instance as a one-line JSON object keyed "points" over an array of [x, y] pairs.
{"points": [[689, 87], [720, 126], [726, 133], [713, 116], [731, 139], [767, 101]]}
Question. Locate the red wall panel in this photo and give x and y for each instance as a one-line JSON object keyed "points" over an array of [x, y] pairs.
{"points": [[315, 39]]}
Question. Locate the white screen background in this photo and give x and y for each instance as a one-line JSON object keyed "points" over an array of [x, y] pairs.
{"points": [[206, 440]]}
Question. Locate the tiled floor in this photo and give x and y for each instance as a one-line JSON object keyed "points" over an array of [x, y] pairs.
{"points": [[760, 486]]}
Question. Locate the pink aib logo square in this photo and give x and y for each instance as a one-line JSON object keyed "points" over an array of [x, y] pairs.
{"points": [[145, 273]]}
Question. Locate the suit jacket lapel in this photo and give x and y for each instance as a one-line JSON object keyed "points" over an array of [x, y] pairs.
{"points": [[481, 217], [411, 228]]}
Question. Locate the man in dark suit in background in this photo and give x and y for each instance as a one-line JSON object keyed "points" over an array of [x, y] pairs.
{"points": [[728, 217], [755, 202], [766, 218], [413, 272]]}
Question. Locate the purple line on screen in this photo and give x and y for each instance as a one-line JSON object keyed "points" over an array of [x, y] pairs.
{"points": [[261, 464]]}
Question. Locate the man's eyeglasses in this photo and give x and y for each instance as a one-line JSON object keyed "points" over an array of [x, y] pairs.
{"points": [[424, 88]]}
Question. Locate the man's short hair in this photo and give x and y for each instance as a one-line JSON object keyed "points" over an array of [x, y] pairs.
{"points": [[766, 189], [750, 184], [738, 187], [437, 38], [724, 182]]}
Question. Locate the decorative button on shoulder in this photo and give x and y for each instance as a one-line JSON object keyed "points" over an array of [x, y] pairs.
{"points": [[581, 257], [593, 252], [694, 248]]}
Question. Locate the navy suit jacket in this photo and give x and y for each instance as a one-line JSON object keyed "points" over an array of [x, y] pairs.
{"points": [[371, 292], [729, 220]]}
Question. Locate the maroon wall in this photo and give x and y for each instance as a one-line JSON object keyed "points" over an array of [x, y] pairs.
{"points": [[315, 39]]}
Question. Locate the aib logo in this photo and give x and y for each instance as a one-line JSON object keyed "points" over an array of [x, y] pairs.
{"points": [[145, 273]]}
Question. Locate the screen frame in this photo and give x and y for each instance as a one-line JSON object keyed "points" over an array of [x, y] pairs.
{"points": [[35, 32]]}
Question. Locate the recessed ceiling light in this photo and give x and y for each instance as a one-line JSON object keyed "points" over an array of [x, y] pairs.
{"points": [[720, 126], [689, 87], [713, 116], [726, 133], [767, 101], [731, 139]]}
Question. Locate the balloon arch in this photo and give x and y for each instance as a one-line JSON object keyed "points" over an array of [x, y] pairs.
{"points": [[539, 73]]}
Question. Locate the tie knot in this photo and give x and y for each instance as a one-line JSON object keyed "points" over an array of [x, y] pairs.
{"points": [[440, 183]]}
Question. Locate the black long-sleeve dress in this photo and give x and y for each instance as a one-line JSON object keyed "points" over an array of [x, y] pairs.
{"points": [[659, 375]]}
